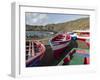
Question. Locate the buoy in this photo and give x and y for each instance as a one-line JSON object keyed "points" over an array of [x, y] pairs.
{"points": [[66, 60], [86, 60]]}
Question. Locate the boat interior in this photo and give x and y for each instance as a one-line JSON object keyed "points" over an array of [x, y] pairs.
{"points": [[61, 37]]}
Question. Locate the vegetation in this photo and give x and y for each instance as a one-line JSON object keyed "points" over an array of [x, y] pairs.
{"points": [[82, 23]]}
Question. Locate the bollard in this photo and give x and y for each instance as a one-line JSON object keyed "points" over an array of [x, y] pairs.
{"points": [[86, 60]]}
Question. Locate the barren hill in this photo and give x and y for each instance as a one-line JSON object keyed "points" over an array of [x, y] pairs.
{"points": [[79, 24]]}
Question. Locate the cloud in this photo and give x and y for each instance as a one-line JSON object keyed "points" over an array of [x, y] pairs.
{"points": [[45, 18], [36, 18], [42, 16]]}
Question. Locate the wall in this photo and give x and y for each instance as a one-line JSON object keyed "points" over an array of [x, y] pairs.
{"points": [[5, 39]]}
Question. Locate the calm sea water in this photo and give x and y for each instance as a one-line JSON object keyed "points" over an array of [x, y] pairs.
{"points": [[39, 34]]}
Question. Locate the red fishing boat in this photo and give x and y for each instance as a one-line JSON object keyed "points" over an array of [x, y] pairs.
{"points": [[34, 52], [59, 43], [83, 35]]}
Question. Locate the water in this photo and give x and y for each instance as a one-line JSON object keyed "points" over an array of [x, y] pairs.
{"points": [[39, 34]]}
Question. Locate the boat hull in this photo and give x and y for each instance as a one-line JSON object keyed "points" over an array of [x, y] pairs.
{"points": [[59, 43], [58, 48], [36, 49]]}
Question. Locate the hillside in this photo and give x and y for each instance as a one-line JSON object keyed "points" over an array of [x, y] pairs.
{"points": [[79, 24]]}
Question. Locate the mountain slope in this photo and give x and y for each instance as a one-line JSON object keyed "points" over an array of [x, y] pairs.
{"points": [[79, 24]]}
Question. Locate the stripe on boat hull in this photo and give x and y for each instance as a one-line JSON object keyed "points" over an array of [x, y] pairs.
{"points": [[60, 46]]}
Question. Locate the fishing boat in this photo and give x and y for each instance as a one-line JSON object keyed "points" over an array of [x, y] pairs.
{"points": [[58, 43], [34, 52], [83, 35]]}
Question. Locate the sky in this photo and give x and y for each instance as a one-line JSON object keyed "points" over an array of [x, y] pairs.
{"points": [[50, 18]]}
